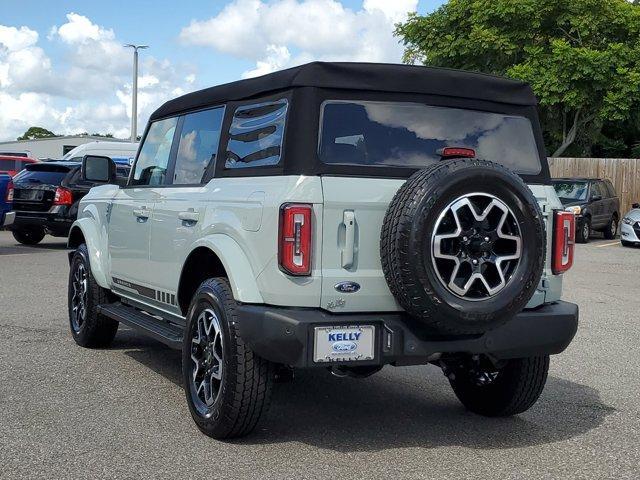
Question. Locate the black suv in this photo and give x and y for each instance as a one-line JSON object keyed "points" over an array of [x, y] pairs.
{"points": [[594, 203], [46, 199]]}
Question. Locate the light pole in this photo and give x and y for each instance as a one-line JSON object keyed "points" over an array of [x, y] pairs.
{"points": [[134, 91]]}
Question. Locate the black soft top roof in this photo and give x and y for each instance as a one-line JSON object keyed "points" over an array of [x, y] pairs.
{"points": [[379, 77]]}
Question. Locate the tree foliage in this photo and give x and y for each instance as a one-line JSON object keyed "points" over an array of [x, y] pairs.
{"points": [[36, 132], [581, 57]]}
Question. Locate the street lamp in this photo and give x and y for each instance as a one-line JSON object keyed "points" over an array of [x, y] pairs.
{"points": [[134, 91]]}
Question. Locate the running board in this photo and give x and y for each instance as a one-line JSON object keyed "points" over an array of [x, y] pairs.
{"points": [[155, 327]]}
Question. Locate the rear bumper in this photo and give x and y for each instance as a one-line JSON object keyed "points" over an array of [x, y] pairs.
{"points": [[7, 219], [285, 335], [55, 221]]}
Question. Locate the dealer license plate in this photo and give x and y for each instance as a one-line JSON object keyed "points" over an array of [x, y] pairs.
{"points": [[344, 344]]}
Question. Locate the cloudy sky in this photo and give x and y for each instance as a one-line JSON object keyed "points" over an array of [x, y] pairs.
{"points": [[63, 66]]}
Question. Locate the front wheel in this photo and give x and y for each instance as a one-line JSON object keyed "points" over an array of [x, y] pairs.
{"points": [[227, 386], [31, 236], [500, 392], [89, 328]]}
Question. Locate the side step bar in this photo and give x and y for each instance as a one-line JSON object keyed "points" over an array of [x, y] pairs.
{"points": [[150, 325]]}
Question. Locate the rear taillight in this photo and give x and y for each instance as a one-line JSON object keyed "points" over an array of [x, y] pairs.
{"points": [[564, 238], [63, 196], [10, 191], [294, 242]]}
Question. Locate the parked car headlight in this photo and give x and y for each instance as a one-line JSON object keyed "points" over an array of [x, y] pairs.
{"points": [[628, 221], [575, 210]]}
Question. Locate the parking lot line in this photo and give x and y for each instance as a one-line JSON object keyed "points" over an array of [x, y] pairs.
{"points": [[608, 244]]}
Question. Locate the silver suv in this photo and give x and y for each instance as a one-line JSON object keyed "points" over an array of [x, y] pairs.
{"points": [[333, 215]]}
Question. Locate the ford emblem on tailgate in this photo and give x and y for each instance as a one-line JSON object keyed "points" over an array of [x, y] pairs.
{"points": [[344, 346], [347, 287]]}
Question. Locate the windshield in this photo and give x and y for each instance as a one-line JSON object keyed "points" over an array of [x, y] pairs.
{"points": [[571, 190], [409, 135]]}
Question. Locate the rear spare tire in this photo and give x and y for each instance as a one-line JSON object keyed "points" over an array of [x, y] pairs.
{"points": [[463, 246]]}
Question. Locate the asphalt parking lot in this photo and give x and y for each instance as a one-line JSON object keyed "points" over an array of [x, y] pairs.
{"points": [[67, 412]]}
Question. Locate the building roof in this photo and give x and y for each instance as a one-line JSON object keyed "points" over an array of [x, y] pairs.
{"points": [[378, 77], [67, 137]]}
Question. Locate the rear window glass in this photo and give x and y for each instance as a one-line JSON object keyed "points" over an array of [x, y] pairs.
{"points": [[568, 190], [395, 134], [255, 135], [47, 174]]}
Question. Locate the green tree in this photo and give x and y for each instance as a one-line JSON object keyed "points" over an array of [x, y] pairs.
{"points": [[581, 57], [36, 132]]}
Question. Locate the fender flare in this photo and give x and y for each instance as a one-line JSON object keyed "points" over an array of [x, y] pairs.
{"points": [[236, 263], [93, 238]]}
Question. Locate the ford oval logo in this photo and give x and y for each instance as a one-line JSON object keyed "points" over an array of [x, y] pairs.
{"points": [[344, 346], [347, 287]]}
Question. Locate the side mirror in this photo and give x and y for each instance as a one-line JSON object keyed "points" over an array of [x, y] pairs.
{"points": [[635, 205], [98, 169], [595, 198]]}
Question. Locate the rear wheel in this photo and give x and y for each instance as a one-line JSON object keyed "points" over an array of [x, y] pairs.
{"points": [[227, 386], [500, 392], [30, 236], [88, 327], [612, 229]]}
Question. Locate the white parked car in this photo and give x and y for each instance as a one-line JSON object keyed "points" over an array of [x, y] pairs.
{"points": [[630, 229], [333, 215], [119, 152]]}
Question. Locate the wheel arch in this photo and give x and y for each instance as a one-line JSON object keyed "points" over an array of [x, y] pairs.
{"points": [[86, 231], [217, 256]]}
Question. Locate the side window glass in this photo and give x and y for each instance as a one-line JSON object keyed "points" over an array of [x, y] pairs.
{"points": [[596, 190], [151, 166], [255, 135], [198, 145]]}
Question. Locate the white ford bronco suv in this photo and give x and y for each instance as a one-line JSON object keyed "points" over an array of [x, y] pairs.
{"points": [[333, 215]]}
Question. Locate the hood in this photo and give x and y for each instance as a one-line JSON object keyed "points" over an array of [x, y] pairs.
{"points": [[634, 214], [572, 203]]}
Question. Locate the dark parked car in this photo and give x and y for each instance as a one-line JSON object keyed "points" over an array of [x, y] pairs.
{"points": [[46, 198], [594, 202]]}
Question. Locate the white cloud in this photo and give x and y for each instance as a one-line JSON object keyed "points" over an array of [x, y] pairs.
{"points": [[283, 33], [88, 89]]}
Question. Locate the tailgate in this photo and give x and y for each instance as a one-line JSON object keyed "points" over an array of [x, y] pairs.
{"points": [[354, 209]]}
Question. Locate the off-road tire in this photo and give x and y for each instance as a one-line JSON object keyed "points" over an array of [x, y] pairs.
{"points": [[611, 230], [406, 258], [584, 232], [96, 330], [31, 236], [245, 389], [516, 388], [627, 244]]}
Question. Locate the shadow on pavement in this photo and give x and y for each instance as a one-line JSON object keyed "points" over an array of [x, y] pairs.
{"points": [[397, 408]]}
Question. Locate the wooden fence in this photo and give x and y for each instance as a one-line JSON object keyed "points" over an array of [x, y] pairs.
{"points": [[624, 173]]}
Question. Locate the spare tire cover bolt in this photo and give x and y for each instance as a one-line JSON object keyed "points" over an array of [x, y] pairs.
{"points": [[464, 239], [486, 239], [474, 261]]}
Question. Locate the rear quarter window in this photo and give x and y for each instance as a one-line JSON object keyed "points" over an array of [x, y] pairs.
{"points": [[399, 134], [256, 134]]}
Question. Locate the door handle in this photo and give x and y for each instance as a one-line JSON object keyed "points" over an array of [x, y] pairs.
{"points": [[349, 221], [189, 216], [141, 213]]}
